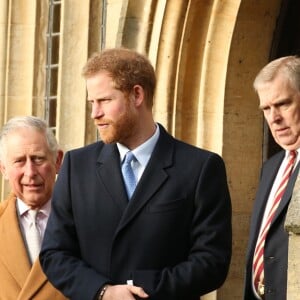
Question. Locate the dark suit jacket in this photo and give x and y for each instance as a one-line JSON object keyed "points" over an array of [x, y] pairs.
{"points": [[276, 245], [173, 238], [18, 280]]}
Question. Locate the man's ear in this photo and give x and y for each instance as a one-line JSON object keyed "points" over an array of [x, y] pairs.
{"points": [[59, 159], [3, 170], [138, 95]]}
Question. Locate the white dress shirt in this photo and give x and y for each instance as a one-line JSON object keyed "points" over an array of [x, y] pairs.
{"points": [[277, 183], [142, 154], [274, 188], [42, 217]]}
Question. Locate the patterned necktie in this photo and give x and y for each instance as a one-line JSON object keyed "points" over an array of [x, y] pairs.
{"points": [[128, 175], [258, 260], [33, 237]]}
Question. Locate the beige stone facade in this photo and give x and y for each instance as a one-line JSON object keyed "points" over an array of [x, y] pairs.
{"points": [[206, 55], [292, 226]]}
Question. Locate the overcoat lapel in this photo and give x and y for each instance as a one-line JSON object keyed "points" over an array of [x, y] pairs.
{"points": [[17, 262], [152, 179], [109, 172], [35, 281]]}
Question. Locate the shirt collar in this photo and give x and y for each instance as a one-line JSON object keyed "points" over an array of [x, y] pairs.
{"points": [[143, 152], [287, 152], [23, 207]]}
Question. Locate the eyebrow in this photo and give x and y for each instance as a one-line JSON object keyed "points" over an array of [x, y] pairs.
{"points": [[277, 103], [99, 99]]}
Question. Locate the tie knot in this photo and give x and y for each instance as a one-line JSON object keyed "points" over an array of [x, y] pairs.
{"points": [[292, 154], [129, 157], [32, 213]]}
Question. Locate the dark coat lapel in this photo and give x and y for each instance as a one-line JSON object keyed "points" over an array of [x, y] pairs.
{"points": [[269, 174], [266, 181], [153, 177], [287, 195], [109, 171]]}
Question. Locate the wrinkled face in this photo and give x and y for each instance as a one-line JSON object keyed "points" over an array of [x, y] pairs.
{"points": [[113, 111], [280, 103], [29, 166]]}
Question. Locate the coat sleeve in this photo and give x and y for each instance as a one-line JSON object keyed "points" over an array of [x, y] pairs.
{"points": [[60, 253]]}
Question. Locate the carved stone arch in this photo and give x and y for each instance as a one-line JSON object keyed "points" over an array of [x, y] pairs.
{"points": [[183, 39]]}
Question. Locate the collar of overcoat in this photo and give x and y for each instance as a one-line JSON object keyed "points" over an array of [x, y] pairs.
{"points": [[13, 253], [153, 178]]}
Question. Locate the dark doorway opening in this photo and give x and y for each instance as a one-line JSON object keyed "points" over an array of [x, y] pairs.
{"points": [[286, 41]]}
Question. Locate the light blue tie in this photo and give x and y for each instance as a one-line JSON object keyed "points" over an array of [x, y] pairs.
{"points": [[128, 175]]}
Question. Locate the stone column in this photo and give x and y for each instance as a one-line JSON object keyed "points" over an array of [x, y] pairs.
{"points": [[73, 53], [292, 226], [3, 53], [3, 49], [17, 55]]}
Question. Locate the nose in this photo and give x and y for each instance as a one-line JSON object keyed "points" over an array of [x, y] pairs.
{"points": [[30, 168], [97, 110], [274, 115]]}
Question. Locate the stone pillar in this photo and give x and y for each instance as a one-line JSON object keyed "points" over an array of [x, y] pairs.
{"points": [[292, 225], [3, 49], [3, 53], [71, 95], [18, 37]]}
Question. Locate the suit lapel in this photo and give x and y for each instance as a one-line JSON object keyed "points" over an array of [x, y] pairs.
{"points": [[12, 250], [287, 195], [269, 173], [265, 188]]}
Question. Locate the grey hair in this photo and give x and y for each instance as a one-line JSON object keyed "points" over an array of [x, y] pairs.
{"points": [[288, 66], [28, 122]]}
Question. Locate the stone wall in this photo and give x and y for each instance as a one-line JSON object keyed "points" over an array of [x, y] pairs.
{"points": [[292, 226]]}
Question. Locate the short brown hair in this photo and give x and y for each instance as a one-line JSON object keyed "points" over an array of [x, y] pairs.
{"points": [[127, 69]]}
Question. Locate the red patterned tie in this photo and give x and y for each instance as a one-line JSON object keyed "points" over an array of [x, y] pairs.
{"points": [[258, 260]]}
